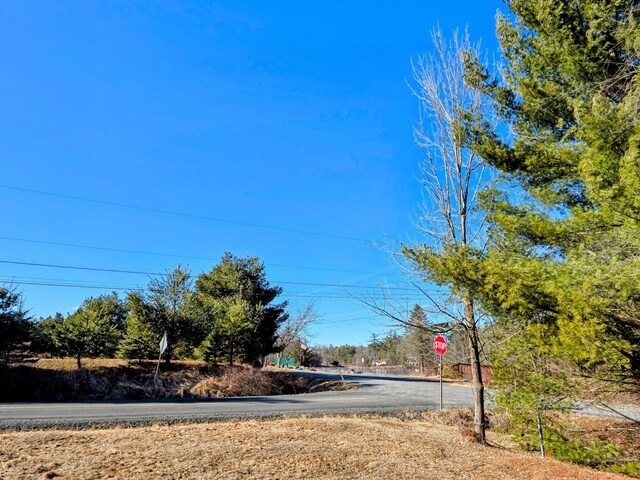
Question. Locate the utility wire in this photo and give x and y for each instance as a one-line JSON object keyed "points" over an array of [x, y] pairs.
{"points": [[135, 272], [182, 214], [39, 281], [73, 267], [17, 278], [346, 320], [72, 285], [190, 257]]}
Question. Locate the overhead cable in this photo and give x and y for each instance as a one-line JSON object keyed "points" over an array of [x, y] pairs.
{"points": [[182, 214], [190, 257], [136, 272]]}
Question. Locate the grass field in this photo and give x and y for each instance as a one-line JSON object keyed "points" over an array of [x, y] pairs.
{"points": [[311, 448]]}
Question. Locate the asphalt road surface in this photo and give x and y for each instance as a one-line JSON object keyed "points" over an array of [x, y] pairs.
{"points": [[375, 394]]}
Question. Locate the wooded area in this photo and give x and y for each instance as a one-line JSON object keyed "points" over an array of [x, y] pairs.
{"points": [[230, 313]]}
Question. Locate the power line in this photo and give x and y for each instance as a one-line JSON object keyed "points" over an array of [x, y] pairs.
{"points": [[17, 279], [347, 320], [170, 255], [182, 214], [112, 270], [73, 285], [352, 297], [51, 282], [73, 267], [341, 285]]}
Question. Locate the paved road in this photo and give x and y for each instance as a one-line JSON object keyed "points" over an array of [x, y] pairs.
{"points": [[375, 394]]}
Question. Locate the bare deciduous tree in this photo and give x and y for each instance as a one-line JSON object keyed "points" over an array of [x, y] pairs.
{"points": [[296, 328], [452, 176]]}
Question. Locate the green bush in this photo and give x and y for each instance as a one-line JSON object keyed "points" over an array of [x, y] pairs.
{"points": [[629, 468], [568, 447]]}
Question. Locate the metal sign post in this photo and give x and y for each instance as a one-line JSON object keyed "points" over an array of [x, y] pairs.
{"points": [[163, 347], [440, 346], [440, 382]]}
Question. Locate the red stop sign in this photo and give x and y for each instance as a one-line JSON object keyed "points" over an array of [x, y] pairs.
{"points": [[440, 345]]}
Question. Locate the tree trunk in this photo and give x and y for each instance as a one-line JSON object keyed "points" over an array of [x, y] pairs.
{"points": [[476, 370], [79, 362], [231, 356]]}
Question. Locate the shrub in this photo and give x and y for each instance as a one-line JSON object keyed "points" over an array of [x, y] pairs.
{"points": [[234, 382]]}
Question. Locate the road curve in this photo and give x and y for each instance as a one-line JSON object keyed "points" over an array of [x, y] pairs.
{"points": [[374, 394]]}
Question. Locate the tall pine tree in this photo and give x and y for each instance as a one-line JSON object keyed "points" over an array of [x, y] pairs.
{"points": [[566, 241], [240, 308]]}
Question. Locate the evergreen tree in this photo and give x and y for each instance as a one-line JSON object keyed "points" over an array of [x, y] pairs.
{"points": [[213, 346], [375, 346], [167, 308], [14, 322], [139, 341], [391, 348], [528, 382], [419, 339], [94, 330], [237, 302], [345, 354], [43, 333], [567, 256], [308, 356]]}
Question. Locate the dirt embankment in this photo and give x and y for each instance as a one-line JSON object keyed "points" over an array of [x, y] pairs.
{"points": [[53, 380]]}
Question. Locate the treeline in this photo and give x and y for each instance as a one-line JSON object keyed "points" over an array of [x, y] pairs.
{"points": [[226, 315], [410, 348]]}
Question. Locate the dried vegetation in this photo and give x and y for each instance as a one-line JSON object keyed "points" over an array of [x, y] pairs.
{"points": [[49, 380], [421, 446]]}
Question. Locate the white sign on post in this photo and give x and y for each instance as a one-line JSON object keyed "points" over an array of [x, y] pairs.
{"points": [[163, 344], [163, 347]]}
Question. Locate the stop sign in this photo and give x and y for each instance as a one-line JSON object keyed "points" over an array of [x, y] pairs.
{"points": [[440, 345]]}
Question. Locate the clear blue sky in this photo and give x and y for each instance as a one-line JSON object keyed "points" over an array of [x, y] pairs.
{"points": [[285, 114]]}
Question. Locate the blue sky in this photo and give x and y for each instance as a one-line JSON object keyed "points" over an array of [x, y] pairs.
{"points": [[284, 114]]}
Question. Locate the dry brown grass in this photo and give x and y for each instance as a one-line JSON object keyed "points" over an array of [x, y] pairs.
{"points": [[69, 364], [309, 448], [59, 380], [236, 382]]}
